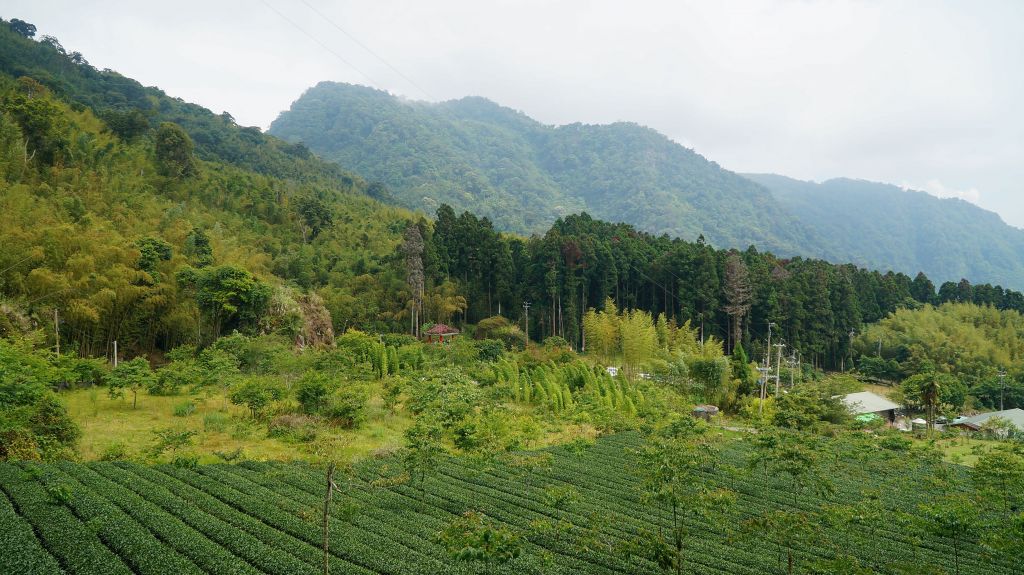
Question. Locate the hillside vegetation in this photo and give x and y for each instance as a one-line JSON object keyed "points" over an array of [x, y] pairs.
{"points": [[497, 163], [881, 225]]}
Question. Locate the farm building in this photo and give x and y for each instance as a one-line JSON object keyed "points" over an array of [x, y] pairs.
{"points": [[865, 403], [441, 333], [974, 423]]}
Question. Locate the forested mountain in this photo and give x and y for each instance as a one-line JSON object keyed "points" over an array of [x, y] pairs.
{"points": [[522, 175], [476, 155], [883, 226]]}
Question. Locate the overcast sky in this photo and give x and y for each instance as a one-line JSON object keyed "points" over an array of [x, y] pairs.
{"points": [[928, 94]]}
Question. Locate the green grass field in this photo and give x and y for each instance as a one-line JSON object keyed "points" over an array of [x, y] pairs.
{"points": [[220, 426]]}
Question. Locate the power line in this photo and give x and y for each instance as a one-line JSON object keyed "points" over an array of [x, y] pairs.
{"points": [[321, 44], [367, 48]]}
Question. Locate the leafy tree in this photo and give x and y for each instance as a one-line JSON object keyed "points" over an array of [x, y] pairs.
{"points": [[174, 150], [999, 475], [955, 517], [151, 252], [314, 216], [230, 296], [127, 124], [23, 28], [314, 390], [256, 394], [788, 530], [471, 537], [132, 375], [672, 464], [198, 249], [423, 450]]}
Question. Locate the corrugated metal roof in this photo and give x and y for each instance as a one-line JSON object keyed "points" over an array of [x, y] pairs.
{"points": [[867, 402], [1015, 415]]}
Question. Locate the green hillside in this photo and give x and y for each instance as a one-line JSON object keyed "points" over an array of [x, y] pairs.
{"points": [[880, 225], [140, 219], [476, 155]]}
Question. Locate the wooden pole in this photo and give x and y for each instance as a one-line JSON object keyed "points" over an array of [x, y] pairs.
{"points": [[327, 518]]}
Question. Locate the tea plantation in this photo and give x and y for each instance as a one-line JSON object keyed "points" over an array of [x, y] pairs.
{"points": [[570, 509]]}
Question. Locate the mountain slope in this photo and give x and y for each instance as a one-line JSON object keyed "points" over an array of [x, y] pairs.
{"points": [[113, 222], [477, 155], [880, 225]]}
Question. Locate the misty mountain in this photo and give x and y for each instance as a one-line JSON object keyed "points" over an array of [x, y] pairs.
{"points": [[476, 155], [881, 225]]}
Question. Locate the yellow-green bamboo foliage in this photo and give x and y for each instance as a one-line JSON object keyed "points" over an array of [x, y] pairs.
{"points": [[565, 388], [634, 337]]}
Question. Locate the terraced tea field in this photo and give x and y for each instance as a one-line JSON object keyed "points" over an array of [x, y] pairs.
{"points": [[251, 518]]}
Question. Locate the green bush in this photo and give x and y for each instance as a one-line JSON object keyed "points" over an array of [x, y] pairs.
{"points": [[217, 422], [347, 408], [489, 349], [313, 391], [184, 409], [116, 451]]}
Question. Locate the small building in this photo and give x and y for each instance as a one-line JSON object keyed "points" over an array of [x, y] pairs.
{"points": [[974, 423], [705, 412], [441, 333], [865, 402]]}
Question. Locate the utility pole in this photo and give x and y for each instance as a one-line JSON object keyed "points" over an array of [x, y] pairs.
{"points": [[327, 518], [1002, 386], [778, 367], [526, 314], [879, 347], [115, 353], [56, 329], [792, 368], [768, 356], [763, 380]]}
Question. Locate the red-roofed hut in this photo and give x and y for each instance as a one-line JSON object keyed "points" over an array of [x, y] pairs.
{"points": [[440, 333]]}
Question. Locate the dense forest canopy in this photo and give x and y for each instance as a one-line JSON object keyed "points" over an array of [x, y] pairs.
{"points": [[580, 262]]}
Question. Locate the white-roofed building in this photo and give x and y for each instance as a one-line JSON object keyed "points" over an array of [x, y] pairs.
{"points": [[864, 402]]}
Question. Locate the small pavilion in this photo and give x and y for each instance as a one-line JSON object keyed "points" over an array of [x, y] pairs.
{"points": [[441, 333]]}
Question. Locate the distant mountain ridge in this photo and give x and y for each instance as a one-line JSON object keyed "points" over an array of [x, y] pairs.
{"points": [[499, 163], [881, 225]]}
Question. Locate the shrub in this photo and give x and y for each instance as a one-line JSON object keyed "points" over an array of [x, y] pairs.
{"points": [[347, 408], [175, 375], [489, 349], [314, 391], [51, 422], [292, 427], [116, 451], [488, 327], [256, 394], [217, 422], [184, 409], [398, 339]]}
